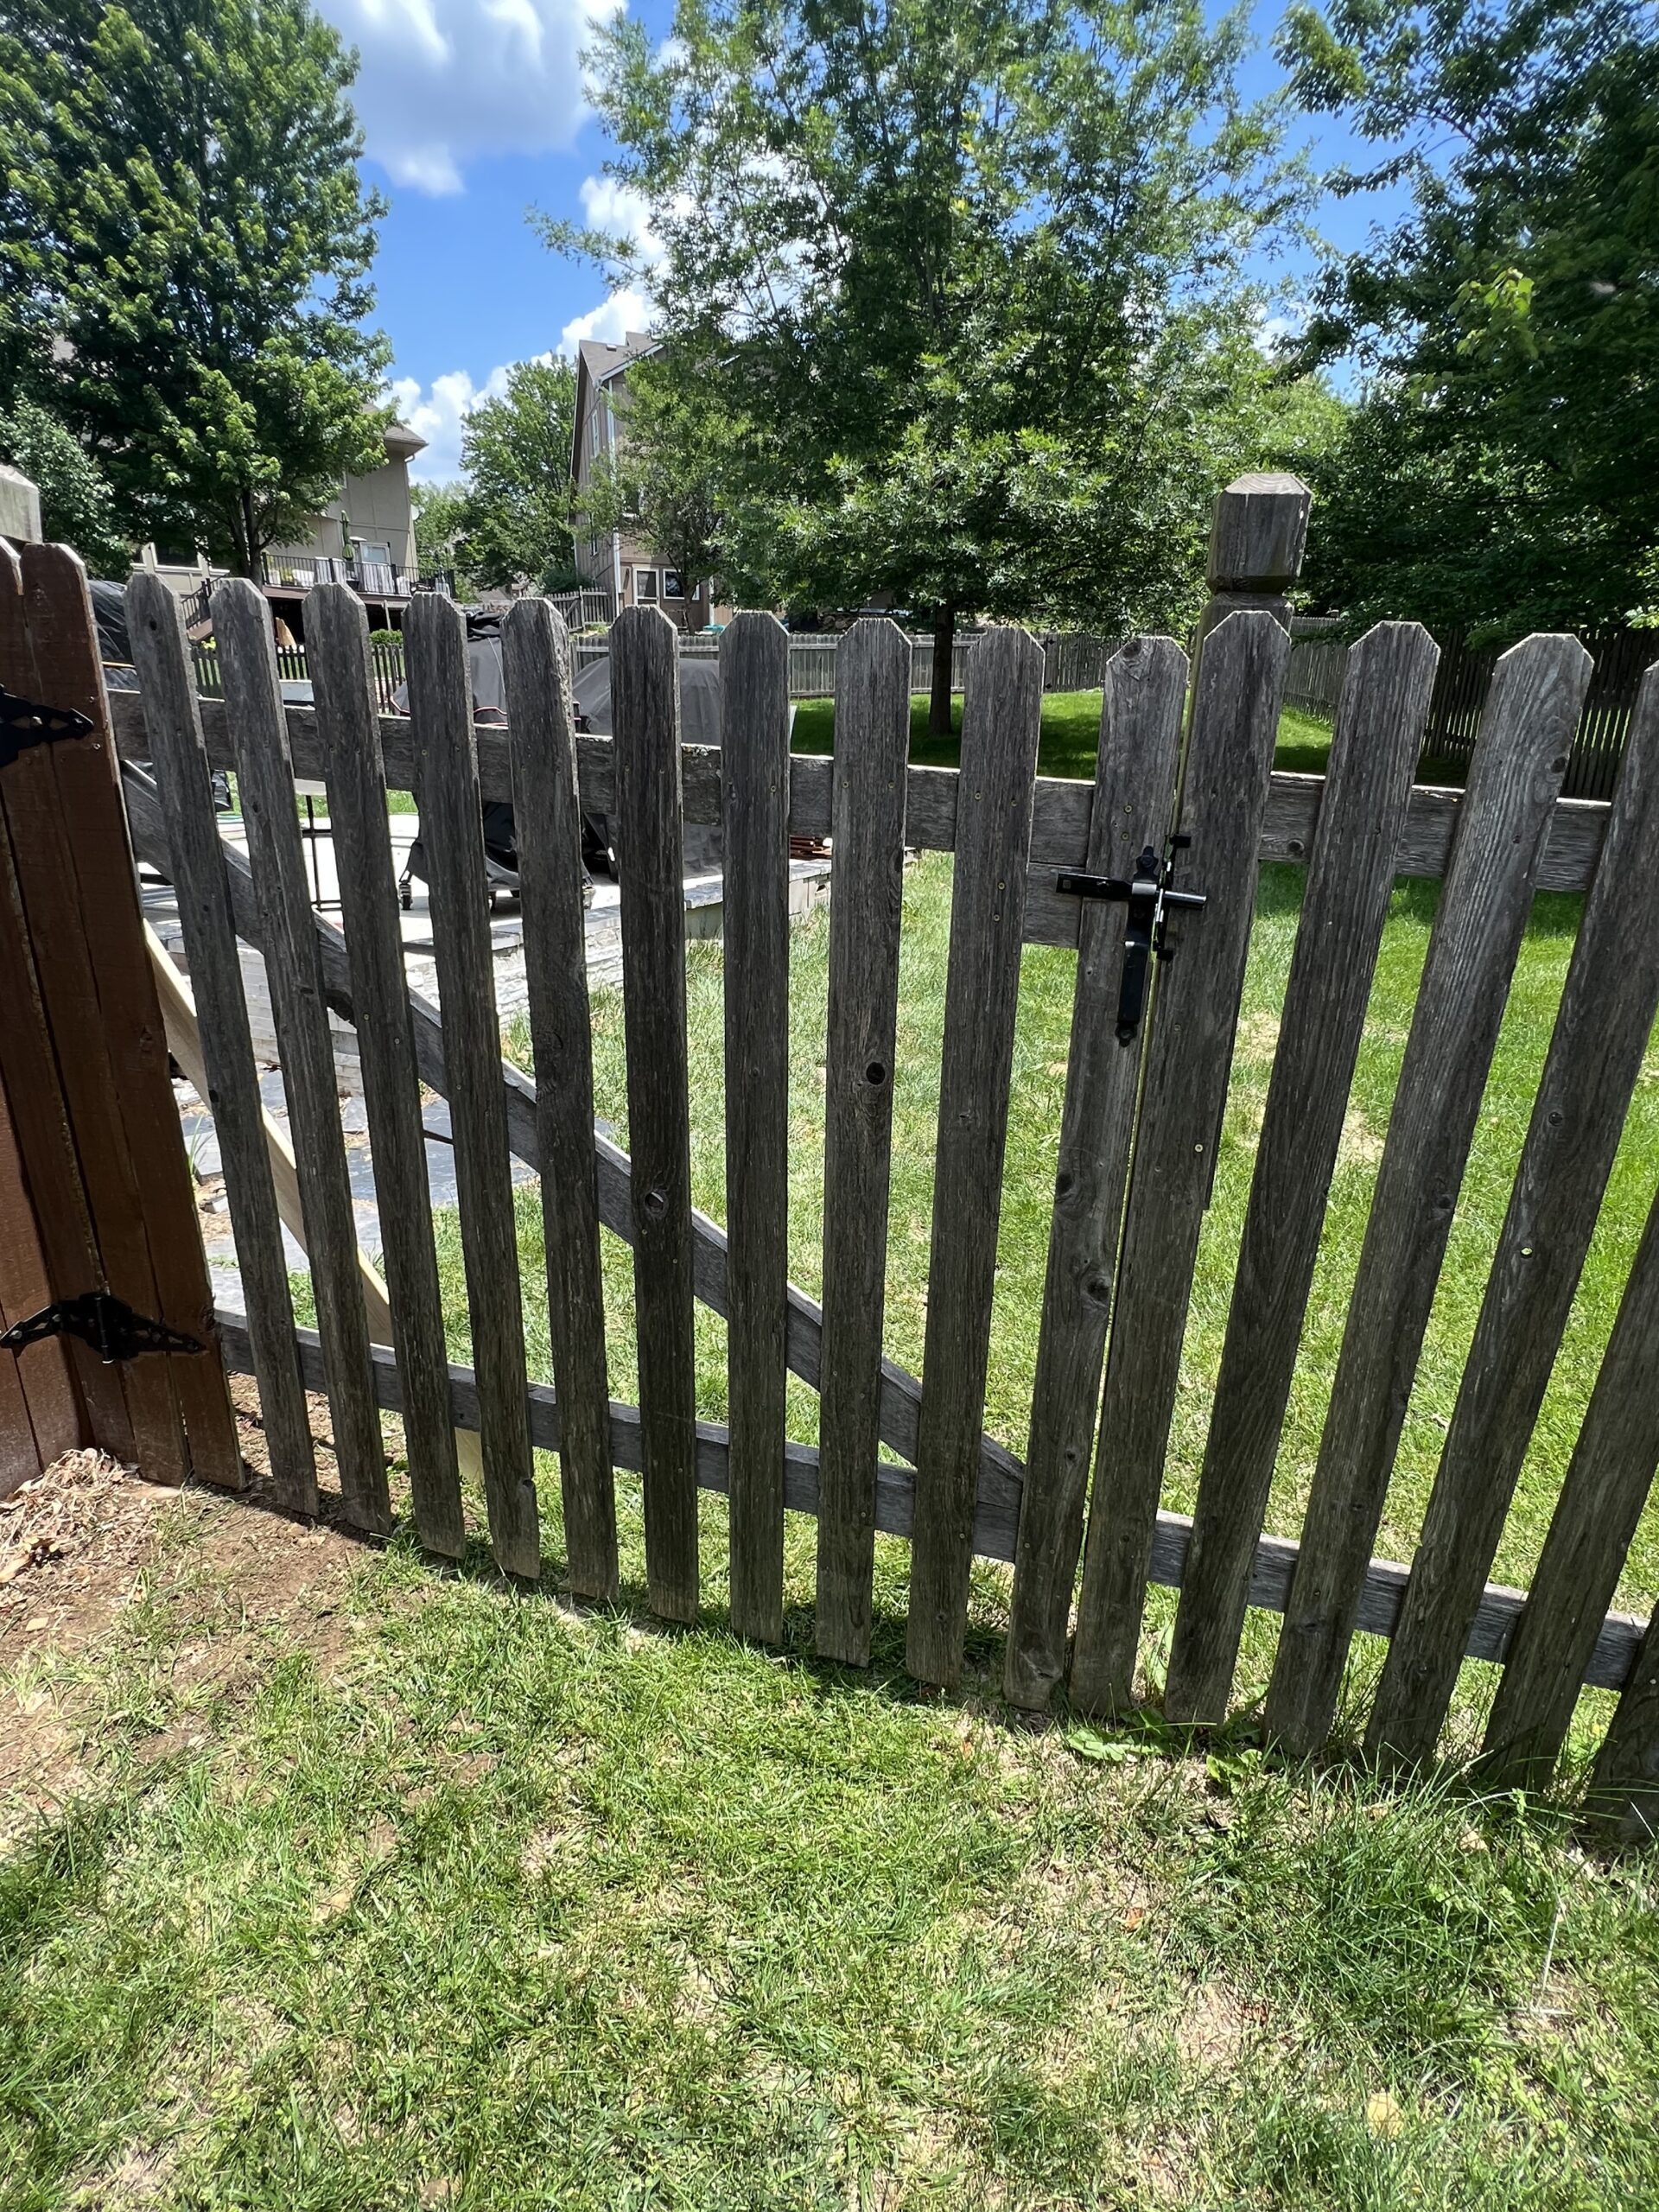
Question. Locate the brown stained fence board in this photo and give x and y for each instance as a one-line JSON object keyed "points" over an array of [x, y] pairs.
{"points": [[193, 857], [1379, 727], [1224, 790], [1060, 810], [646, 715], [64, 644], [1623, 1790], [440, 707], [242, 625], [547, 812], [338, 649], [899, 1393], [1001, 721], [1595, 1520], [40, 1408], [1145, 694], [1595, 1057], [47, 912], [1479, 925], [754, 761], [872, 744]]}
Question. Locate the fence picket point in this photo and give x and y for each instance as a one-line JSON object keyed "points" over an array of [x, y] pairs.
{"points": [[1339, 933], [1472, 950], [872, 747], [1144, 696], [535, 671], [1000, 727], [441, 711]]}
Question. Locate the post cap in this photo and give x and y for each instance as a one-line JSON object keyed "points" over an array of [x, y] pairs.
{"points": [[1258, 534]]}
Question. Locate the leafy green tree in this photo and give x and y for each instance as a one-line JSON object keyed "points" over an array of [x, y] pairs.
{"points": [[515, 453], [77, 507], [184, 252], [966, 278], [441, 522], [1503, 468], [663, 483]]}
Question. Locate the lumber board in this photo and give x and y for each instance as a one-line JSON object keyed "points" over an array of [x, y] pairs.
{"points": [[873, 722], [1143, 701]]}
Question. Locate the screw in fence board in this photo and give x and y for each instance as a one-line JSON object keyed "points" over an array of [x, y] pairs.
{"points": [[196, 862], [452, 830], [242, 623], [646, 717], [754, 774], [1145, 691], [1238, 685], [1379, 727], [337, 639], [872, 747], [1595, 1520], [63, 640], [1001, 721], [53, 914], [1607, 1010], [547, 814], [1502, 824]]}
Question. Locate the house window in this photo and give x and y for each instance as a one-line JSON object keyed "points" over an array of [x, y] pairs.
{"points": [[645, 586], [672, 587]]}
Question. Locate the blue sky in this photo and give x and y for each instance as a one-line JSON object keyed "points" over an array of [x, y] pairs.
{"points": [[474, 112]]}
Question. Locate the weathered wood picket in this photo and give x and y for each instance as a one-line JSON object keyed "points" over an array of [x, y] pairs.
{"points": [[1158, 856]]}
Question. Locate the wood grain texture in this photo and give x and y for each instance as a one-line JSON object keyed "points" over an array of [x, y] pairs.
{"points": [[1623, 1792], [1059, 810], [1596, 1518], [1189, 1054], [1612, 1663], [536, 674], [755, 763], [193, 859], [242, 625], [452, 830], [1514, 778], [1144, 699], [1379, 727], [872, 745], [337, 641], [1607, 1010], [40, 1408], [63, 643], [72, 1136], [898, 1398], [1001, 721], [646, 715]]}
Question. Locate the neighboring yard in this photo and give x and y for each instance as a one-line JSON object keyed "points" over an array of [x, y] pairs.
{"points": [[362, 1884]]}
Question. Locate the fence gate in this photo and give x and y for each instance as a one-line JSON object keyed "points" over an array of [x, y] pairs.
{"points": [[1158, 857], [107, 1319]]}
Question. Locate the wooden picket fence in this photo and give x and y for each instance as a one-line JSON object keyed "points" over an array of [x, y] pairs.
{"points": [[1184, 800]]}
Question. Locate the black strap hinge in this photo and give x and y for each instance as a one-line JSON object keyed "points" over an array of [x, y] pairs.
{"points": [[23, 724], [1149, 896], [106, 1323]]}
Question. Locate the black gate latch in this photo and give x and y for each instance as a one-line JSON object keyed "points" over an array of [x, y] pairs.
{"points": [[1149, 897], [106, 1323], [23, 724]]}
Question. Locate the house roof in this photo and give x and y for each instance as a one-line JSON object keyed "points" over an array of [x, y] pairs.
{"points": [[401, 443]]}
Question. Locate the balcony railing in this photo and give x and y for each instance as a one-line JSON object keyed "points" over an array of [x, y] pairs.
{"points": [[374, 579]]}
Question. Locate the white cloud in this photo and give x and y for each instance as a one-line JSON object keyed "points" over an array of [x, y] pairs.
{"points": [[438, 416], [442, 82], [622, 212], [611, 320]]}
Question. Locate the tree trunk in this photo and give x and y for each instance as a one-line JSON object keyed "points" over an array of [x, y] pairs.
{"points": [[938, 712], [247, 552]]}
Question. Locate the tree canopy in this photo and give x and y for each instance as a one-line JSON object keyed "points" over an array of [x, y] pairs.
{"points": [[76, 504], [662, 481], [1503, 468], [184, 252], [963, 282], [515, 514]]}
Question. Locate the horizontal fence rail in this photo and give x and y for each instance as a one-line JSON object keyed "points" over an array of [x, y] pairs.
{"points": [[1043, 862]]}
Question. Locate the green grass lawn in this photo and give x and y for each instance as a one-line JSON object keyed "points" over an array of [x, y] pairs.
{"points": [[419, 1891]]}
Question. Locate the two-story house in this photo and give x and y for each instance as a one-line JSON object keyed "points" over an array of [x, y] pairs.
{"points": [[624, 563]]}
